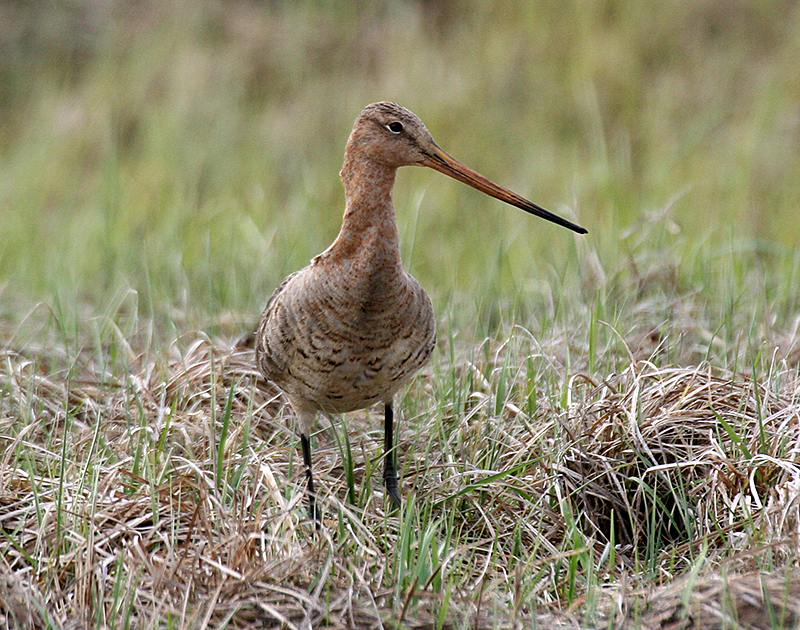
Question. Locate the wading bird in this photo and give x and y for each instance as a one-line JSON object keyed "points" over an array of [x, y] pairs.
{"points": [[350, 329]]}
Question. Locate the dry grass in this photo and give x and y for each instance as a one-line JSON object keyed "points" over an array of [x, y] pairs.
{"points": [[746, 601], [170, 497], [699, 449]]}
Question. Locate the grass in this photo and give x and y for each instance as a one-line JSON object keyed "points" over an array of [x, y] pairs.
{"points": [[607, 434]]}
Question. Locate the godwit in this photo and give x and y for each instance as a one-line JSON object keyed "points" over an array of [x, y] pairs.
{"points": [[350, 330]]}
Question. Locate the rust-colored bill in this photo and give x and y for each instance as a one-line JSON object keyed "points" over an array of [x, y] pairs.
{"points": [[441, 161]]}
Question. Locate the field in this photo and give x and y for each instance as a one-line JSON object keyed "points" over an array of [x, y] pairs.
{"points": [[608, 435]]}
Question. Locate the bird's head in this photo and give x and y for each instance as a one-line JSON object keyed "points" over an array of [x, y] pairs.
{"points": [[388, 134]]}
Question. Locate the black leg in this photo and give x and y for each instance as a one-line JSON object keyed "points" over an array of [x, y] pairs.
{"points": [[389, 470], [310, 495]]}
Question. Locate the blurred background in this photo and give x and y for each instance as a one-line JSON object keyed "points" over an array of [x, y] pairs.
{"points": [[181, 157]]}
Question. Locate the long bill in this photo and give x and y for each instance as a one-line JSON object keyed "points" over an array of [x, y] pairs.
{"points": [[441, 161]]}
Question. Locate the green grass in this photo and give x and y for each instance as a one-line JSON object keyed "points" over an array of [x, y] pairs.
{"points": [[162, 168]]}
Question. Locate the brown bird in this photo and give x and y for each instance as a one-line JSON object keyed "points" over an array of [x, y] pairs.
{"points": [[350, 330]]}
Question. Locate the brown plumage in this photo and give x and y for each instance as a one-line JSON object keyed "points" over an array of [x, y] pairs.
{"points": [[350, 330]]}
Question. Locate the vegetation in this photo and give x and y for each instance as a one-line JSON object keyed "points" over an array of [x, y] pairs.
{"points": [[608, 433]]}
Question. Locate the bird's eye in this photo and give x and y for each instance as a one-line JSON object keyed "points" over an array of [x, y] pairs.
{"points": [[395, 127]]}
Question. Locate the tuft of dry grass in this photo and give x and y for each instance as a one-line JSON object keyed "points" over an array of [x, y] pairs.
{"points": [[750, 600], [689, 454]]}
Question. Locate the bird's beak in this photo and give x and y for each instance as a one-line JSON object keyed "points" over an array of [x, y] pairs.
{"points": [[437, 159]]}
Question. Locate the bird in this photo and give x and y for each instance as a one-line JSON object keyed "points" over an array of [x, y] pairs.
{"points": [[350, 329]]}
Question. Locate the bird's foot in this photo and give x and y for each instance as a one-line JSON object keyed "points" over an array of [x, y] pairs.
{"points": [[390, 483]]}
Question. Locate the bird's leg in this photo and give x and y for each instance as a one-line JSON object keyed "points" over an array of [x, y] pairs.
{"points": [[310, 495], [389, 469]]}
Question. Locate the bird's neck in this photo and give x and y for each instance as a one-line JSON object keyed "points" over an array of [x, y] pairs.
{"points": [[369, 227]]}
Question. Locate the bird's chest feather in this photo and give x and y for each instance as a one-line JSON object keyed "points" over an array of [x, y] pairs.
{"points": [[359, 332], [362, 302]]}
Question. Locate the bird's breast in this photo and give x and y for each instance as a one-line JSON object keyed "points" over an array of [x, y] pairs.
{"points": [[339, 339]]}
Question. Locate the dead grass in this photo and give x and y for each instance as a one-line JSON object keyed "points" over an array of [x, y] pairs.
{"points": [[745, 601], [698, 449], [171, 496]]}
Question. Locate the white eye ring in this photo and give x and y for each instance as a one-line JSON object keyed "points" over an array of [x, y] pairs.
{"points": [[395, 127]]}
